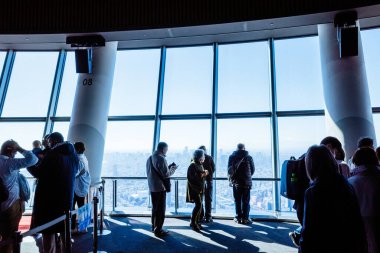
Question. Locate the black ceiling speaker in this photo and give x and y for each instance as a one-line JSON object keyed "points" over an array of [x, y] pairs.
{"points": [[83, 60], [347, 33]]}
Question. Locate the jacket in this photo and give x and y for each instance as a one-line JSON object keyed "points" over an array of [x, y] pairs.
{"points": [[195, 181], [245, 171], [366, 182], [331, 204], [82, 179], [55, 188], [210, 166], [160, 166]]}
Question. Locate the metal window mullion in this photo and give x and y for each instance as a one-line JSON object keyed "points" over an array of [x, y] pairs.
{"points": [[5, 77], [214, 121], [52, 109], [274, 124], [160, 93]]}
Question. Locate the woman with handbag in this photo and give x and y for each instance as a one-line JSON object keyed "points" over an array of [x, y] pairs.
{"points": [[196, 176]]}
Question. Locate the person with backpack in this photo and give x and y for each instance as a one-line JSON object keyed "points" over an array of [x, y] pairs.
{"points": [[240, 171], [158, 174], [82, 182], [12, 208], [196, 175]]}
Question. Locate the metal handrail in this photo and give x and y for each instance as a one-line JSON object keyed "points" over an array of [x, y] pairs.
{"points": [[185, 178]]}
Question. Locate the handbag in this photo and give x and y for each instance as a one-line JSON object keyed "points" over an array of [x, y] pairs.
{"points": [[165, 181], [232, 172], [24, 187]]}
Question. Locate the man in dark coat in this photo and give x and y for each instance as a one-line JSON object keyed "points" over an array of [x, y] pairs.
{"points": [[241, 169], [55, 187], [208, 165]]}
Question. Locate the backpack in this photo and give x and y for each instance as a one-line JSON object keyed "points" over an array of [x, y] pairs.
{"points": [[294, 180], [24, 187], [232, 171]]}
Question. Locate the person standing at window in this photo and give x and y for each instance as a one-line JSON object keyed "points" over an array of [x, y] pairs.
{"points": [[330, 201], [158, 172], [196, 176], [208, 165], [82, 182], [240, 170], [12, 208]]}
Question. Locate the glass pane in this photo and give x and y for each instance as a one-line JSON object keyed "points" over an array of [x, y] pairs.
{"points": [[30, 84], [262, 198], [3, 54], [127, 148], [132, 195], [255, 134], [298, 74], [135, 82], [371, 49], [297, 134], [62, 127], [68, 87], [183, 137], [188, 80], [244, 82], [376, 122]]}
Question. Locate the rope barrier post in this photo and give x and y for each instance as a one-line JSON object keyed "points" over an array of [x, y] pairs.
{"points": [[17, 242], [68, 231], [102, 207], [95, 246]]}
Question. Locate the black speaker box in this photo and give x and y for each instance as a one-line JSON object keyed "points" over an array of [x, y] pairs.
{"points": [[348, 41], [83, 61]]}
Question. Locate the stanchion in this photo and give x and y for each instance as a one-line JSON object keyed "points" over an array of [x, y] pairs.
{"points": [[95, 246], [17, 242], [68, 232]]}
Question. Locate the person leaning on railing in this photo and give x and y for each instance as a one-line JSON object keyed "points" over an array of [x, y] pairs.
{"points": [[11, 209]]}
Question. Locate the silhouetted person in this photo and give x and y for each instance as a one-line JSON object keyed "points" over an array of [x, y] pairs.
{"points": [[55, 188], [208, 165], [196, 175], [82, 181], [366, 182], [241, 169], [366, 142], [37, 149], [12, 208], [378, 153], [330, 202], [158, 171]]}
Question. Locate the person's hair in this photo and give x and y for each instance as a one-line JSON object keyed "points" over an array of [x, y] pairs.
{"points": [[378, 153], [320, 163], [333, 141], [365, 156], [365, 142], [161, 146], [56, 137], [198, 154], [202, 147], [340, 154], [240, 146], [7, 147], [79, 147], [36, 143]]}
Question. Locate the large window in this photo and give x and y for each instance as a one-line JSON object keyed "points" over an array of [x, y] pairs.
{"points": [[135, 82], [62, 127], [188, 80], [244, 78], [68, 87], [183, 137], [298, 74], [371, 49], [30, 84], [255, 134], [127, 148]]}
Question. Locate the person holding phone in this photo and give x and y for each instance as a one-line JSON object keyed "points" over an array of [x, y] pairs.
{"points": [[196, 176], [158, 174]]}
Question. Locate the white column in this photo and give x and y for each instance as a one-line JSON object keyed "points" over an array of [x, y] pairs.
{"points": [[91, 105], [346, 93]]}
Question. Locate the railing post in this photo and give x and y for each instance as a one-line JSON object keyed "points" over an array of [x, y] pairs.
{"points": [[68, 231], [114, 194], [17, 242], [95, 245], [102, 207], [176, 197]]}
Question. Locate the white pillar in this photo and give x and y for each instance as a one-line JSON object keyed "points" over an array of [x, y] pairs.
{"points": [[91, 105], [346, 93]]}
